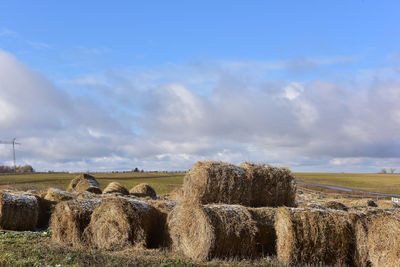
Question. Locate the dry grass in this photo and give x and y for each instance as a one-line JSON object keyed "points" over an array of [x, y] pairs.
{"points": [[70, 219], [308, 236], [204, 232], [18, 211], [115, 187]]}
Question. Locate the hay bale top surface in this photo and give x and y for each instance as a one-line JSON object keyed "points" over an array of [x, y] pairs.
{"points": [[143, 190], [115, 187], [57, 195], [84, 182], [22, 198]]}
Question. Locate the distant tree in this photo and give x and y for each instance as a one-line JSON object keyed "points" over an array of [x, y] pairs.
{"points": [[136, 170], [392, 170], [384, 171], [26, 169]]}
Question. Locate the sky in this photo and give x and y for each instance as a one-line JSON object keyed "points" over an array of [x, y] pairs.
{"points": [[159, 85]]}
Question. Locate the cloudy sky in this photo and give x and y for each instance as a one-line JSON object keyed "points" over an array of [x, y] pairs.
{"points": [[158, 85]]}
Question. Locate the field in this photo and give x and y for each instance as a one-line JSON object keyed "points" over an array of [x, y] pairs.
{"points": [[161, 182], [382, 183], [37, 249]]}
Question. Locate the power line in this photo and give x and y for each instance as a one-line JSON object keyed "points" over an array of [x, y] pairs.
{"points": [[13, 143]]}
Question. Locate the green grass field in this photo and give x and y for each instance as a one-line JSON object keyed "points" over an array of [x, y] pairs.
{"points": [[165, 182], [161, 182], [382, 183]]}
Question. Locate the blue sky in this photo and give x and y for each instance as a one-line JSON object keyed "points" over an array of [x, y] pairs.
{"points": [[161, 84]]}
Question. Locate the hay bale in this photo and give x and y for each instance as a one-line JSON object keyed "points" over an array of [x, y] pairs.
{"points": [[217, 182], [56, 195], [70, 219], [386, 204], [18, 211], [143, 190], [176, 193], [331, 204], [361, 220], [122, 222], [266, 234], [115, 187], [308, 236], [203, 232], [383, 239], [45, 209], [270, 186], [363, 202], [84, 182]]}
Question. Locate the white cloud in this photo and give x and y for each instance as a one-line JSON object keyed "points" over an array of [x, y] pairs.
{"points": [[171, 117]]}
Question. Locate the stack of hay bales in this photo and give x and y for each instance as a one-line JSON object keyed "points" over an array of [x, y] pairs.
{"points": [[115, 187], [143, 190], [84, 182], [227, 210], [18, 211]]}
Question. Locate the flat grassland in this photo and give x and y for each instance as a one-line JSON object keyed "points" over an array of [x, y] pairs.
{"points": [[161, 182], [374, 182]]}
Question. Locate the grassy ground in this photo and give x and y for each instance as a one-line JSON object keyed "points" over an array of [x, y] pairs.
{"points": [[161, 182], [36, 249], [383, 183]]}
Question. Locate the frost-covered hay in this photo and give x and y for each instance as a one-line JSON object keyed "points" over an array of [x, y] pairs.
{"points": [[217, 182], [270, 185], [332, 204], [362, 202], [122, 222], [143, 190], [70, 219], [266, 235], [56, 195], [115, 187], [84, 182], [308, 236], [18, 211], [384, 240], [203, 232]]}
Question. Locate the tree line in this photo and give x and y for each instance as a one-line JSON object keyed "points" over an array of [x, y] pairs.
{"points": [[18, 169]]}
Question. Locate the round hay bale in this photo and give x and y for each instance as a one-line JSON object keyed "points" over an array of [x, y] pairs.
{"points": [[70, 219], [383, 240], [334, 205], [308, 236], [176, 193], [45, 209], [115, 187], [56, 195], [203, 232], [363, 202], [270, 186], [266, 234], [217, 182], [18, 211], [122, 222], [84, 182], [360, 220], [143, 190]]}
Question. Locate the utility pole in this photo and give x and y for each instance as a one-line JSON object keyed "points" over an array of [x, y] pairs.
{"points": [[13, 143]]}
